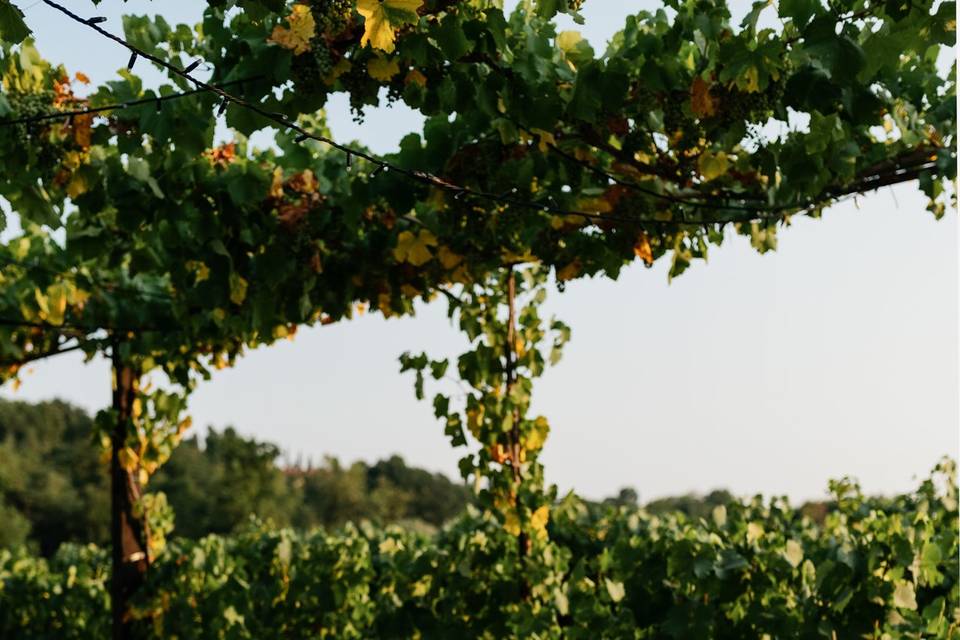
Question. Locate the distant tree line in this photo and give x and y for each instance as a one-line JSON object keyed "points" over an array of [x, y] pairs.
{"points": [[53, 485]]}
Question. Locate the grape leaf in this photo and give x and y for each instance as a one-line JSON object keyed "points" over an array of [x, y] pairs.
{"points": [[414, 248], [713, 165], [615, 589], [904, 596], [701, 102], [382, 69], [12, 27], [382, 19], [297, 36], [538, 521], [238, 289]]}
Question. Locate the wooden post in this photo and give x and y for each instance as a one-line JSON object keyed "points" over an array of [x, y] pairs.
{"points": [[127, 531]]}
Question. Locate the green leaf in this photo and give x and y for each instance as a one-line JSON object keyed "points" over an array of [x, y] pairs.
{"points": [[12, 27], [750, 20], [713, 165], [140, 169], [451, 38], [800, 11], [930, 558], [33, 203], [549, 8]]}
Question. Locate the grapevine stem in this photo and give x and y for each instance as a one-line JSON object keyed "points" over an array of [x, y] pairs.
{"points": [[523, 541], [127, 529]]}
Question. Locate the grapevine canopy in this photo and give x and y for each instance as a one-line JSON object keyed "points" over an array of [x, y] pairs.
{"points": [[144, 222]]}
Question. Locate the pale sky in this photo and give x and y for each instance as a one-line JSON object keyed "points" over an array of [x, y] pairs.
{"points": [[835, 355]]}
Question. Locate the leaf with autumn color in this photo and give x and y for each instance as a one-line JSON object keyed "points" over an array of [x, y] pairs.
{"points": [[382, 18], [300, 30]]}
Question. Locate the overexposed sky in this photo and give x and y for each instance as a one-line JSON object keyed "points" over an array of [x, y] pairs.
{"points": [[836, 355]]}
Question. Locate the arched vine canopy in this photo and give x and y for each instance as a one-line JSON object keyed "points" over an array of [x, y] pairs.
{"points": [[153, 228]]}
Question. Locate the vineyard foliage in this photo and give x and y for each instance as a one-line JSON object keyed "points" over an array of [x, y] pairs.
{"points": [[155, 233], [876, 568]]}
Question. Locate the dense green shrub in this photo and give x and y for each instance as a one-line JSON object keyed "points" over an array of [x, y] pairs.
{"points": [[874, 569]]}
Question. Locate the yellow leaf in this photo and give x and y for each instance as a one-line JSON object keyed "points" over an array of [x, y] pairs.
{"points": [[384, 304], [302, 29], [73, 159], [475, 420], [448, 258], [81, 130], [276, 185], [701, 102], [382, 69], [414, 248], [517, 258], [78, 297], [201, 270], [77, 186], [571, 221], [538, 521], [538, 434], [409, 290], [750, 80], [712, 165], [546, 139], [594, 205], [519, 346], [238, 289], [57, 303], [511, 523], [460, 275], [390, 546], [381, 19], [567, 40], [794, 553], [643, 250], [415, 77], [422, 587], [569, 272], [82, 77], [128, 458], [304, 182]]}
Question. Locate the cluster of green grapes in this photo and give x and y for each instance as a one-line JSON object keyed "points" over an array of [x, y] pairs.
{"points": [[678, 119], [34, 135], [363, 90], [741, 106], [27, 105], [310, 68]]}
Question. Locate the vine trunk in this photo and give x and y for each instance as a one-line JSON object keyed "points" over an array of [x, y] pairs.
{"points": [[128, 530]]}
